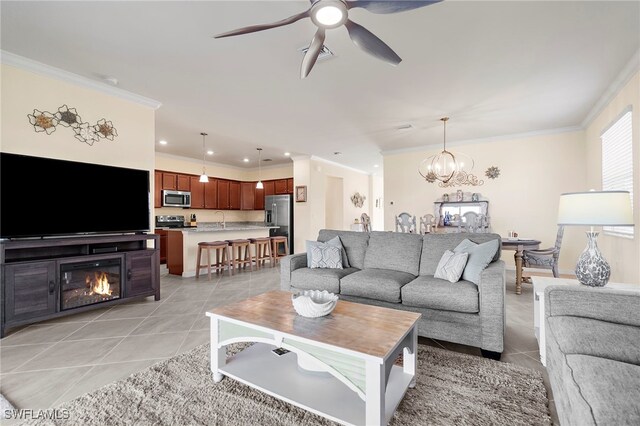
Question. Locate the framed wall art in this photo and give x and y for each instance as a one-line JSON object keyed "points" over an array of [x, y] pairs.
{"points": [[301, 194]]}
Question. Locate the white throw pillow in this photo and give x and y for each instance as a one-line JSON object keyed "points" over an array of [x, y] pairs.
{"points": [[336, 242], [451, 266], [326, 257]]}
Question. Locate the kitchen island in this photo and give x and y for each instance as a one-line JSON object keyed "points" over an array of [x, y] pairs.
{"points": [[182, 244]]}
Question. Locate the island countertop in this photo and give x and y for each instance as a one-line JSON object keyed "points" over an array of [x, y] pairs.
{"points": [[182, 243]]}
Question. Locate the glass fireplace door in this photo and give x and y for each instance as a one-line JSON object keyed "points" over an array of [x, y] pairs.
{"points": [[90, 282]]}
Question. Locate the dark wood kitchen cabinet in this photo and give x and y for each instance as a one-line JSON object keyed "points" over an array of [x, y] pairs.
{"points": [[234, 195], [157, 189], [163, 244], [143, 272], [223, 194], [183, 182], [30, 290], [269, 187], [281, 186], [170, 181], [247, 195], [197, 193], [290, 186], [258, 200], [211, 194]]}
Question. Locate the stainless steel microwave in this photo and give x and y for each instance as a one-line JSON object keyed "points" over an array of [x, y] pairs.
{"points": [[176, 198]]}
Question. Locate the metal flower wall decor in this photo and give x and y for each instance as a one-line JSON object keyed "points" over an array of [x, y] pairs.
{"points": [[492, 172], [44, 121]]}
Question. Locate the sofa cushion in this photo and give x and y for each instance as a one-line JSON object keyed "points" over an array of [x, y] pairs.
{"points": [[586, 336], [354, 243], [394, 251], [433, 293], [380, 284], [609, 387], [434, 246], [326, 257], [319, 279]]}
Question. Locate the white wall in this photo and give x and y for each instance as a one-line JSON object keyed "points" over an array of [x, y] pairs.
{"points": [[623, 254], [310, 217], [524, 198]]}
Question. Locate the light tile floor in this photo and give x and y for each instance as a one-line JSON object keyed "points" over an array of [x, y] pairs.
{"points": [[45, 364]]}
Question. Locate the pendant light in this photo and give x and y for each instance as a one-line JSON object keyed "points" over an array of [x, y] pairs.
{"points": [[203, 177], [259, 185], [441, 166]]}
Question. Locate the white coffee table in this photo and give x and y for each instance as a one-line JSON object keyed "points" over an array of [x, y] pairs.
{"points": [[341, 366], [539, 284]]}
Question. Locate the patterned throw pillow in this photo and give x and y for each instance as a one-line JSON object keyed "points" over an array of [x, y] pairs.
{"points": [[335, 241], [451, 266], [326, 257]]}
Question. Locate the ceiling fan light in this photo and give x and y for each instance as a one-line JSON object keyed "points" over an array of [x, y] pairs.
{"points": [[329, 15]]}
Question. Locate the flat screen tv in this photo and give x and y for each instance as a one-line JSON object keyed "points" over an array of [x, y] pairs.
{"points": [[42, 197]]}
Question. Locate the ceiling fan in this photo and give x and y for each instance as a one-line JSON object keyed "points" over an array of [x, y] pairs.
{"points": [[328, 14]]}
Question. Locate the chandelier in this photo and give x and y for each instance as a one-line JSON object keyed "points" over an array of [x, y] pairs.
{"points": [[447, 167]]}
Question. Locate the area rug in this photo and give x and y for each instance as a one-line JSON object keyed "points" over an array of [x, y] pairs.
{"points": [[452, 388]]}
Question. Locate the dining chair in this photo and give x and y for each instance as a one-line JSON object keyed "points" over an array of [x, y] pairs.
{"points": [[472, 222], [405, 223], [366, 222], [545, 258], [428, 224]]}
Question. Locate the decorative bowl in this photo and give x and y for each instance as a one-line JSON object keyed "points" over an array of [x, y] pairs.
{"points": [[314, 303]]}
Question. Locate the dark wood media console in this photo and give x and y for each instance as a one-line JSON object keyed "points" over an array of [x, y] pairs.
{"points": [[33, 284]]}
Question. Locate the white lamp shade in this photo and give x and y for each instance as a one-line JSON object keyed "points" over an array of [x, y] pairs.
{"points": [[259, 185], [595, 208], [204, 178]]}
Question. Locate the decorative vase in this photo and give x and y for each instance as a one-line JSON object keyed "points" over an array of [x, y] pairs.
{"points": [[592, 269]]}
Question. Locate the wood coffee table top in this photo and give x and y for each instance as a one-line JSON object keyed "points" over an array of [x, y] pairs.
{"points": [[367, 329]]}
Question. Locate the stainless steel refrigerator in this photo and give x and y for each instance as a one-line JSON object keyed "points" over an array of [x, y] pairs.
{"points": [[278, 211]]}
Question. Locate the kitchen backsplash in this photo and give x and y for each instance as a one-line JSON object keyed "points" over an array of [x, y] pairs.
{"points": [[210, 216]]}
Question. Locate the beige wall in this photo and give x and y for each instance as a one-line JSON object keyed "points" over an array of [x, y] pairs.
{"points": [[22, 91], [534, 172], [186, 165], [621, 253], [310, 217]]}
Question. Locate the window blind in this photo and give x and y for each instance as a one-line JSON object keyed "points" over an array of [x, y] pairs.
{"points": [[617, 164]]}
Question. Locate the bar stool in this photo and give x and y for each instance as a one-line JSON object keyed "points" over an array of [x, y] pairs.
{"points": [[240, 253], [262, 250], [275, 243], [221, 257]]}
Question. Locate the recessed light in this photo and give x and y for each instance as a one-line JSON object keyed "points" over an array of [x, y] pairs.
{"points": [[210, 152], [376, 166], [246, 160], [286, 154], [163, 142]]}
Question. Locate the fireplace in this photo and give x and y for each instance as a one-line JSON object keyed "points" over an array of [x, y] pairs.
{"points": [[88, 283]]}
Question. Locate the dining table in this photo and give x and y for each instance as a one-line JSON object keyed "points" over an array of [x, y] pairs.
{"points": [[519, 245]]}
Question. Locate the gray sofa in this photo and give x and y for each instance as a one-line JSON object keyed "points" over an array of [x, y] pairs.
{"points": [[395, 270], [593, 354]]}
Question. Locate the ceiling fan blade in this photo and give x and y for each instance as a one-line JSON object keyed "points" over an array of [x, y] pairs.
{"points": [[390, 6], [311, 56], [371, 44], [262, 27]]}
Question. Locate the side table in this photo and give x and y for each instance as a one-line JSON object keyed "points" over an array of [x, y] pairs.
{"points": [[539, 284]]}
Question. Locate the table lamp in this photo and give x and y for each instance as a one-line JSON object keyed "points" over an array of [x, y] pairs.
{"points": [[594, 208]]}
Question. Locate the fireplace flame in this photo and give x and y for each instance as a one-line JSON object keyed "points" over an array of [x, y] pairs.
{"points": [[99, 284]]}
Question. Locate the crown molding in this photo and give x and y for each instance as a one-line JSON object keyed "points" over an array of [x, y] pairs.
{"points": [[487, 139], [223, 165], [614, 88], [8, 58], [333, 163]]}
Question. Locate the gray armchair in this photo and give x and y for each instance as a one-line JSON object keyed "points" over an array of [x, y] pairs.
{"points": [[546, 258]]}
